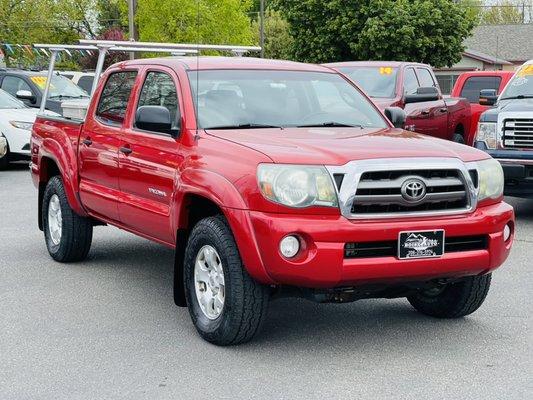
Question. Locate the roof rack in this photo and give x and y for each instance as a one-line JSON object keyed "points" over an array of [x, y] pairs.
{"points": [[105, 46]]}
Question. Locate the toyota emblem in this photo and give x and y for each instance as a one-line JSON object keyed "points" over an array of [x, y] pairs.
{"points": [[413, 190]]}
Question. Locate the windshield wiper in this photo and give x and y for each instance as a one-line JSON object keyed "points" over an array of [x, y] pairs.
{"points": [[520, 96], [331, 124], [244, 126], [63, 96]]}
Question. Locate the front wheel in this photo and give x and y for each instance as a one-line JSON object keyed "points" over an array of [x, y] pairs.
{"points": [[458, 138], [453, 300], [4, 160], [226, 305], [68, 236]]}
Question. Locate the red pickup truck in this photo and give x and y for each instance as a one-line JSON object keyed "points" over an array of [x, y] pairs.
{"points": [[414, 88], [469, 84], [271, 178]]}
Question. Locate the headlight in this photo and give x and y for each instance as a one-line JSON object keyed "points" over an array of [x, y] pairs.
{"points": [[22, 125], [297, 185], [486, 132], [491, 179]]}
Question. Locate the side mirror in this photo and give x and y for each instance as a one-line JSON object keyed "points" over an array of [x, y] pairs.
{"points": [[429, 93], [488, 97], [396, 115], [155, 119], [26, 95]]}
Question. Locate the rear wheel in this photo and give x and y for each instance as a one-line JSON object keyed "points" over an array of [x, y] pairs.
{"points": [[226, 305], [68, 236], [453, 300]]}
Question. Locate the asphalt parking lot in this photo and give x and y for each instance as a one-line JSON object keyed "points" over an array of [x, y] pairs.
{"points": [[107, 328]]}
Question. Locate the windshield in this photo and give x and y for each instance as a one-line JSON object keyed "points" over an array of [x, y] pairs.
{"points": [[259, 98], [375, 81], [60, 87], [521, 84], [8, 101]]}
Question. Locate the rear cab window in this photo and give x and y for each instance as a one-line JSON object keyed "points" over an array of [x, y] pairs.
{"points": [[115, 97], [474, 84]]}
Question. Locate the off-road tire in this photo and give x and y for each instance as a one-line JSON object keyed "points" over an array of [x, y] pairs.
{"points": [[246, 301], [458, 138], [77, 231], [456, 299]]}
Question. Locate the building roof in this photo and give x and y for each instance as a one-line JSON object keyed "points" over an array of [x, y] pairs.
{"points": [[509, 42], [486, 58]]}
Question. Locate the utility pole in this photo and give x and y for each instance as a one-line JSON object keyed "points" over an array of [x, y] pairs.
{"points": [[132, 7], [262, 27]]}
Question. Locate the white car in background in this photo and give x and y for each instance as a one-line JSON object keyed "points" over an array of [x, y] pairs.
{"points": [[82, 79], [16, 121]]}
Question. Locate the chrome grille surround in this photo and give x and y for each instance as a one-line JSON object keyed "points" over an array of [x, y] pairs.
{"points": [[354, 170]]}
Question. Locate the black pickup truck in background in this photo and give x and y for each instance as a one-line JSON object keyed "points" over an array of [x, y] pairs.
{"points": [[506, 131]]}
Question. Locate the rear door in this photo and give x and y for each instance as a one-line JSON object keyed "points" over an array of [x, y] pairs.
{"points": [[99, 146], [148, 170]]}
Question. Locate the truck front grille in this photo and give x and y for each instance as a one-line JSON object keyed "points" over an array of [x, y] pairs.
{"points": [[518, 133], [380, 192]]}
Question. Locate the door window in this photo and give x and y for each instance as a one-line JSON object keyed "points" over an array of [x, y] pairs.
{"points": [[159, 90], [425, 77], [115, 97], [475, 84], [12, 84], [410, 82]]}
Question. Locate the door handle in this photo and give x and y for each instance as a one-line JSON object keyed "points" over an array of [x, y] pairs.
{"points": [[424, 112], [443, 110], [87, 141], [126, 150]]}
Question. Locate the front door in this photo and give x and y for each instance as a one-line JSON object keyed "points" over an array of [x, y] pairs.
{"points": [[149, 167], [427, 117], [99, 147]]}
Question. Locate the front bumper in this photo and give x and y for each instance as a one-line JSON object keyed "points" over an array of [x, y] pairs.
{"points": [[322, 263], [518, 171]]}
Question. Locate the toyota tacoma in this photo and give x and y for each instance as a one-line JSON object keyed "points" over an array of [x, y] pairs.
{"points": [[270, 179]]}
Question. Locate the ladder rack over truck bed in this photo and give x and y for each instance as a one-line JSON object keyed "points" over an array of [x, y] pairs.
{"points": [[106, 46]]}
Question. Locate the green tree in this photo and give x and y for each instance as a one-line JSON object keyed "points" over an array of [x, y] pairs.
{"points": [[111, 14], [504, 12], [430, 31], [204, 21], [278, 40]]}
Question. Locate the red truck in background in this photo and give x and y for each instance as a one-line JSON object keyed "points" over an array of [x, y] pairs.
{"points": [[271, 178], [414, 88], [468, 86]]}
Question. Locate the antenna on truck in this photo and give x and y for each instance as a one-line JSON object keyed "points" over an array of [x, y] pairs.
{"points": [[105, 46]]}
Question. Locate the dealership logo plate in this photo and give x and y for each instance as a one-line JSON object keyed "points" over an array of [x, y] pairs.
{"points": [[423, 244]]}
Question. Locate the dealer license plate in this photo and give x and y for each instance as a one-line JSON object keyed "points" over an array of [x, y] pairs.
{"points": [[421, 244]]}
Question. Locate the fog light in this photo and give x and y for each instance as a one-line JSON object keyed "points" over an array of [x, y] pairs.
{"points": [[506, 232], [289, 246]]}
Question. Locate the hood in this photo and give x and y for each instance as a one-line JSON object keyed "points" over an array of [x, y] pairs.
{"points": [[505, 106], [19, 114], [516, 105], [337, 146]]}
